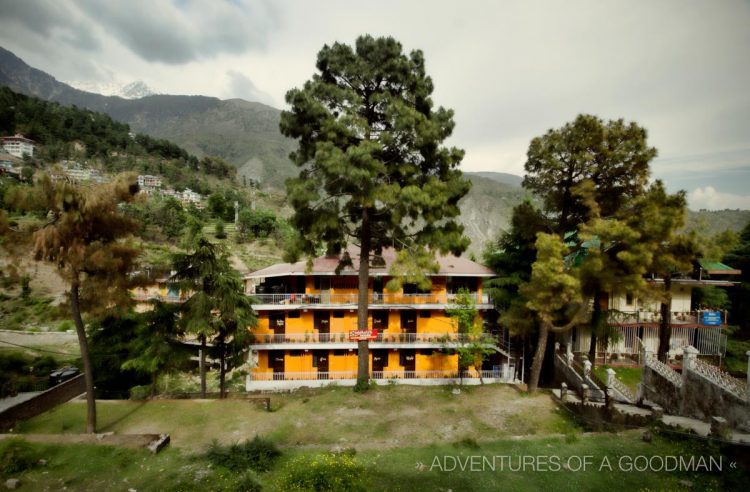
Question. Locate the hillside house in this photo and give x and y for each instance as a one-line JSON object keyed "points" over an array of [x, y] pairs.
{"points": [[637, 321], [18, 145]]}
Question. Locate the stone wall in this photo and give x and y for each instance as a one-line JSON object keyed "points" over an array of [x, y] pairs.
{"points": [[42, 402], [599, 415], [703, 398], [660, 390]]}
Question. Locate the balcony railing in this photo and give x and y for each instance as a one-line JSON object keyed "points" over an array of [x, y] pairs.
{"points": [[334, 375], [157, 297], [679, 318], [373, 298], [344, 338]]}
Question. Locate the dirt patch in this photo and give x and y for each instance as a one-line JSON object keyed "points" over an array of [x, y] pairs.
{"points": [[120, 440]]}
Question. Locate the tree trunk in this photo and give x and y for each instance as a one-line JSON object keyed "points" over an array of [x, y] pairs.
{"points": [[85, 357], [363, 346], [202, 364], [665, 324], [222, 368], [596, 320], [536, 365]]}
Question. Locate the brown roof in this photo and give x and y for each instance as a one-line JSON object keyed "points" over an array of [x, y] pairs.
{"points": [[326, 265]]}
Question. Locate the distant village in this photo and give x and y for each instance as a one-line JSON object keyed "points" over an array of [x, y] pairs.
{"points": [[17, 147]]}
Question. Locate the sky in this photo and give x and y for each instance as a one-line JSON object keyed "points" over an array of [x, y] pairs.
{"points": [[511, 70]]}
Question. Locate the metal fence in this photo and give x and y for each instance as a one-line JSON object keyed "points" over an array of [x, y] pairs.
{"points": [[338, 375]]}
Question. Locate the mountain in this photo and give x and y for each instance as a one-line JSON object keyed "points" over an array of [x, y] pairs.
{"points": [[245, 134], [505, 178], [133, 90]]}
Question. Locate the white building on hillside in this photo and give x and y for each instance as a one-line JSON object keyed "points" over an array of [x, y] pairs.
{"points": [[146, 181], [18, 145]]}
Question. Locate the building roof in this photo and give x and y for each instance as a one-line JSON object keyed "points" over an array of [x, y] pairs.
{"points": [[717, 268], [450, 266], [17, 136]]}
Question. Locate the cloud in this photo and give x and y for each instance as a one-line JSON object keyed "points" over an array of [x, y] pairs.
{"points": [[50, 19], [710, 199], [178, 33], [244, 88]]}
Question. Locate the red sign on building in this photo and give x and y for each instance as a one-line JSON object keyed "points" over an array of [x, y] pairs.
{"points": [[358, 335]]}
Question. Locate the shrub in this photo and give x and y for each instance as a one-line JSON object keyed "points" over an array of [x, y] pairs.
{"points": [[220, 234], [323, 472], [257, 454], [140, 392], [16, 455], [248, 483]]}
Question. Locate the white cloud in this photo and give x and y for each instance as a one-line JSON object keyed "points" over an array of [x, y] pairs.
{"points": [[510, 70], [710, 199]]}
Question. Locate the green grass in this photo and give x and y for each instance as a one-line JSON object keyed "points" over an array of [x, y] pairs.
{"points": [[630, 376], [86, 467], [32, 312], [383, 417]]}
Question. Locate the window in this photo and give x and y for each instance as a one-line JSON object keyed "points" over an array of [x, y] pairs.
{"points": [[322, 283], [295, 353], [292, 314], [339, 353], [425, 314], [410, 288], [380, 320], [628, 299], [338, 314], [348, 282], [321, 319]]}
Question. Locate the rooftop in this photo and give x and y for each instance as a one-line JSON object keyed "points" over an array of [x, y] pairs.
{"points": [[326, 265]]}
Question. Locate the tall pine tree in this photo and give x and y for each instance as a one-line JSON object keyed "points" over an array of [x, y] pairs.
{"points": [[373, 170]]}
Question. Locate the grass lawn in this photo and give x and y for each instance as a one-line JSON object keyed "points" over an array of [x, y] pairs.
{"points": [[630, 376], [85, 467], [404, 438], [389, 416]]}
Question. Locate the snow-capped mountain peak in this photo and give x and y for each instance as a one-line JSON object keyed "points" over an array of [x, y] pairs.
{"points": [[133, 90]]}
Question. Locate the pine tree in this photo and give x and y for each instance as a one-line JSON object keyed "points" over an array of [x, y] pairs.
{"points": [[373, 171], [218, 309], [83, 237]]}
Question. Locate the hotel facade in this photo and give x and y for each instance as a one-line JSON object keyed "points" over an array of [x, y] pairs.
{"points": [[307, 316]]}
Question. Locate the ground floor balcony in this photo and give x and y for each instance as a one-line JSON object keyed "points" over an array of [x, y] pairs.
{"points": [[289, 380], [628, 340], [146, 297]]}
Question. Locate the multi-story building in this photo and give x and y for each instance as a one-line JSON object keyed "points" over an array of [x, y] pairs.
{"points": [[636, 322], [146, 181], [306, 334], [18, 145]]}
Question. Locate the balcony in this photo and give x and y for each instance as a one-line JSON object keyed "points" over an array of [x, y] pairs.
{"points": [[691, 318], [344, 338], [376, 375], [140, 297], [373, 299]]}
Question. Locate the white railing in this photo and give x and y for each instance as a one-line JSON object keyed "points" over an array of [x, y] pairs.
{"points": [[676, 318], [664, 370], [620, 387], [300, 299], [719, 377], [709, 340], [157, 297], [337, 375], [344, 338]]}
